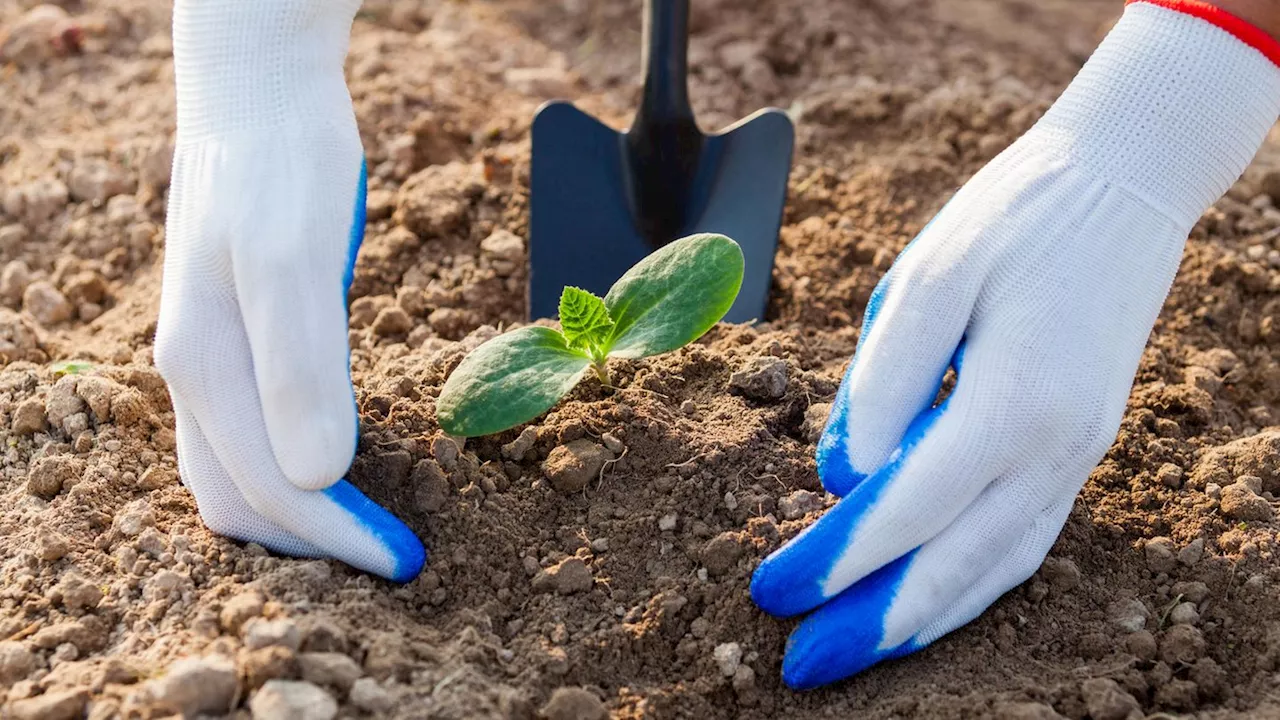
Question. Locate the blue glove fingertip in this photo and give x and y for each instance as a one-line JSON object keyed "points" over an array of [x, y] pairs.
{"points": [[399, 541], [843, 637]]}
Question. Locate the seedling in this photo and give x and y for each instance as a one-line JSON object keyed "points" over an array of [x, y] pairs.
{"points": [[663, 303], [70, 367]]}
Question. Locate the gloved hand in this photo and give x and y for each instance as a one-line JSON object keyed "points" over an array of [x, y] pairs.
{"points": [[1039, 283], [266, 213]]}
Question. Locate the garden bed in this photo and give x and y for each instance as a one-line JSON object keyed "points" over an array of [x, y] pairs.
{"points": [[605, 549]]}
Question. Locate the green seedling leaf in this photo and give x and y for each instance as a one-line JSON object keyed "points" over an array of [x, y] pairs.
{"points": [[509, 380], [674, 295], [70, 367], [584, 320]]}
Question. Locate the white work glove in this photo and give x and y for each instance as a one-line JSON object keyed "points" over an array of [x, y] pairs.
{"points": [[266, 212], [1039, 282]]}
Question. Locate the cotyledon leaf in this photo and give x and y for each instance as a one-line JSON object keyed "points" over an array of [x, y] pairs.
{"points": [[509, 380], [584, 319], [674, 295]]}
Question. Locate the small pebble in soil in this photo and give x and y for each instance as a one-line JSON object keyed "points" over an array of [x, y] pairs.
{"points": [[1169, 475], [48, 306], [1184, 614], [722, 552], [728, 657], [571, 467], [50, 473], [1142, 644], [259, 633], [1062, 574], [1240, 502], [13, 282], [1106, 700], [268, 663], [799, 503], [195, 686], [1191, 591], [1160, 555], [1129, 615], [762, 378], [815, 421], [392, 321], [369, 696], [567, 577], [1191, 553], [504, 250], [1181, 644], [572, 703], [239, 609], [28, 417], [333, 669], [294, 700], [16, 662], [53, 705], [668, 522]]}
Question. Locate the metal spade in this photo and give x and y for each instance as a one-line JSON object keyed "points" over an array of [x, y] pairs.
{"points": [[601, 200]]}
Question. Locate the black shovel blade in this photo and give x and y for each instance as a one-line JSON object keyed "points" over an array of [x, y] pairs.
{"points": [[583, 229]]}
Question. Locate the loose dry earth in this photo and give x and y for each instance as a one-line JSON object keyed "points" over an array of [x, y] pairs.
{"points": [[596, 563]]}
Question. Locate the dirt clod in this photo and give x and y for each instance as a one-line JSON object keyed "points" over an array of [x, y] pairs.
{"points": [[571, 467], [762, 378], [728, 658], [193, 686], [799, 503], [1128, 615], [48, 306], [16, 662], [260, 633], [1182, 644], [48, 474], [1105, 700], [330, 669], [292, 700], [572, 703], [1240, 502], [567, 577], [369, 696], [722, 552], [55, 705]]}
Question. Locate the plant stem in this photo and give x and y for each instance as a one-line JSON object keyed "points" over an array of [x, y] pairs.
{"points": [[602, 372]]}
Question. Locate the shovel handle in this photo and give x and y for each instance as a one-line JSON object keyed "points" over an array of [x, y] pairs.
{"points": [[665, 62]]}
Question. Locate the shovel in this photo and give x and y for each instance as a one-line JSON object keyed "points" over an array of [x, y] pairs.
{"points": [[601, 200]]}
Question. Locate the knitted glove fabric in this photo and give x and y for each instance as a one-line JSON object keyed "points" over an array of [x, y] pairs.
{"points": [[266, 213], [1039, 283]]}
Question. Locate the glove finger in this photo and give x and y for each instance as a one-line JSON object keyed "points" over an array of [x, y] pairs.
{"points": [[938, 470], [927, 593], [222, 508], [202, 350], [912, 325], [293, 258]]}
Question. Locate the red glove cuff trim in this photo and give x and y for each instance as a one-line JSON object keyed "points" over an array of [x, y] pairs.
{"points": [[1247, 33]]}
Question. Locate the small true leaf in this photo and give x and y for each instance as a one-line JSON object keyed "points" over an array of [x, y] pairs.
{"points": [[584, 319], [674, 295], [509, 380]]}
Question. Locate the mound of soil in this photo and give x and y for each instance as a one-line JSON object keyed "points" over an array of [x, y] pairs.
{"points": [[596, 563]]}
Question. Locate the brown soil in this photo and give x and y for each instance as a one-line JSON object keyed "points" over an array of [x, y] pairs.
{"points": [[623, 590]]}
